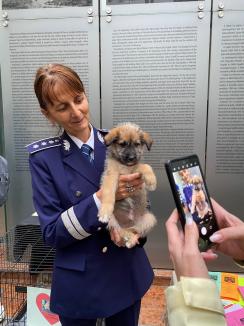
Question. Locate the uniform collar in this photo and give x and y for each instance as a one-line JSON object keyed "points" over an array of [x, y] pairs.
{"points": [[73, 157], [79, 142]]}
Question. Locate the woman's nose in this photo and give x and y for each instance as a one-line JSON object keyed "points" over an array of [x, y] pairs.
{"points": [[75, 111]]}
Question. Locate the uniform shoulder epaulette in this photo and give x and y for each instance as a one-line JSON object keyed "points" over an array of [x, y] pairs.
{"points": [[103, 131], [42, 144]]}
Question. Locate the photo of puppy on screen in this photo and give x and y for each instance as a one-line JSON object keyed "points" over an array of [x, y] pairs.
{"points": [[129, 216]]}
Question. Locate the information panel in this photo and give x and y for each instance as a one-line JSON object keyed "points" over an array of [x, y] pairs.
{"points": [[225, 150], [28, 44], [155, 74], [225, 138]]}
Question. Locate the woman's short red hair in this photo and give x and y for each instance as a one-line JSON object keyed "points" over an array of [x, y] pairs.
{"points": [[52, 80]]}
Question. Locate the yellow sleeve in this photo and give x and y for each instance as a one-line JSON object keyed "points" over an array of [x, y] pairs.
{"points": [[194, 301]]}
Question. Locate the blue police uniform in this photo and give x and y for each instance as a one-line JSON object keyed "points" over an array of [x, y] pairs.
{"points": [[92, 277]]}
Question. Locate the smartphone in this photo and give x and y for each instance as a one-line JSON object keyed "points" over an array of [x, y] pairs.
{"points": [[191, 196]]}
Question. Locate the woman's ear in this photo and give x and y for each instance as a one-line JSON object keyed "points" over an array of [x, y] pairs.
{"points": [[47, 115]]}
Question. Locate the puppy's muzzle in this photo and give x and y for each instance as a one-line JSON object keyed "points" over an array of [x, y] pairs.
{"points": [[129, 159], [198, 187]]}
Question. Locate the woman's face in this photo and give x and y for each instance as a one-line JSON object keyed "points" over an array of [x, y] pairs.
{"points": [[72, 113], [185, 175]]}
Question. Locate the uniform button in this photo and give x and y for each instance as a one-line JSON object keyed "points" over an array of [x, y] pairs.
{"points": [[104, 249], [99, 228], [78, 193]]}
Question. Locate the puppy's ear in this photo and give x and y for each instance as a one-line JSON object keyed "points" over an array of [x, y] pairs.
{"points": [[147, 140], [111, 137]]}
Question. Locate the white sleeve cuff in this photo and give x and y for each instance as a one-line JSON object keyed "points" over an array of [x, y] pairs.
{"points": [[97, 201]]}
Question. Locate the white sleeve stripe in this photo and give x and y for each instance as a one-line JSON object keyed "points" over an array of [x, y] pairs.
{"points": [[70, 227], [76, 223]]}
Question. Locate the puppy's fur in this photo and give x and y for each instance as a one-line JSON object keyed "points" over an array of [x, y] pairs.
{"points": [[128, 216], [198, 197]]}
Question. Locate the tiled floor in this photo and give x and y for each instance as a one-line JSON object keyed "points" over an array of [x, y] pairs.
{"points": [[153, 303]]}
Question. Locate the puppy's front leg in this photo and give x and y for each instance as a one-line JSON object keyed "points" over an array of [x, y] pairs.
{"points": [[148, 176], [109, 187]]}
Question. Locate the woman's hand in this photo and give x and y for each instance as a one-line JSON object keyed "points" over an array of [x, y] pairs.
{"points": [[230, 238], [116, 238], [183, 248], [128, 185]]}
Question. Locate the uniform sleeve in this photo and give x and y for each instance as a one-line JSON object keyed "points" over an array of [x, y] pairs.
{"points": [[61, 227], [194, 301]]}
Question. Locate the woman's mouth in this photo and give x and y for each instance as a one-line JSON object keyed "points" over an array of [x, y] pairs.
{"points": [[77, 121]]}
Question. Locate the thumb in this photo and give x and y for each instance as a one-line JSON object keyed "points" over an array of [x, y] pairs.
{"points": [[191, 234], [230, 233]]}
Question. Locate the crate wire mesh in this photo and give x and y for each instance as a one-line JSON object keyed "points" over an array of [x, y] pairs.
{"points": [[24, 261]]}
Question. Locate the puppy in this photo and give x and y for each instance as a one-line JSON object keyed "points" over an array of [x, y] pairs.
{"points": [[199, 202], [129, 216]]}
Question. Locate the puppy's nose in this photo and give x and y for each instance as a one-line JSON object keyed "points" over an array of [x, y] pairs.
{"points": [[130, 158]]}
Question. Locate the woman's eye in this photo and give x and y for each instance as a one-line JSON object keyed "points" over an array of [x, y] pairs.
{"points": [[61, 108], [79, 99]]}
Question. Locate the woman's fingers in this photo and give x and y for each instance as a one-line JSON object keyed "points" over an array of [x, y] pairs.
{"points": [[191, 235], [194, 265], [230, 233], [209, 255], [173, 233], [223, 217]]}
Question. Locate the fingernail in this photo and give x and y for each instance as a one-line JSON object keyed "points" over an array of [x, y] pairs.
{"points": [[189, 220], [216, 237]]}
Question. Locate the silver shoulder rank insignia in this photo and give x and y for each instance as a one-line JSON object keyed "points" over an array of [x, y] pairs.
{"points": [[42, 144], [66, 145], [100, 137]]}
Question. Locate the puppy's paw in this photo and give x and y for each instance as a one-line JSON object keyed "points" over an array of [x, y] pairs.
{"points": [[131, 240], [105, 213], [151, 182]]}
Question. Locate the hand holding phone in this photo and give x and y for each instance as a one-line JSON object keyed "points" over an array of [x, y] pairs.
{"points": [[191, 196]]}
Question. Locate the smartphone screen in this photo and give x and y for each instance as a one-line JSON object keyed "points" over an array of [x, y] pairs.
{"points": [[192, 197]]}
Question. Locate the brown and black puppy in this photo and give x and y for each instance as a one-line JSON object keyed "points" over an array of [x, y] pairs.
{"points": [[199, 202], [129, 216]]}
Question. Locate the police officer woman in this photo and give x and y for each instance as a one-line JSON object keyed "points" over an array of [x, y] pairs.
{"points": [[93, 276]]}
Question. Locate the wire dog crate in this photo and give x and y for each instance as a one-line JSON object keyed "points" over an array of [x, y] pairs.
{"points": [[24, 261]]}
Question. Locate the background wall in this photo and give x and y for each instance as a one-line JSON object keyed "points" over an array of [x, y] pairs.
{"points": [[175, 68]]}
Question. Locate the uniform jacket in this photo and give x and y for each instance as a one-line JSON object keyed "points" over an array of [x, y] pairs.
{"points": [[194, 301], [92, 277]]}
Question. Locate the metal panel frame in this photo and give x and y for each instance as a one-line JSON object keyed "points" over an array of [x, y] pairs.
{"points": [[224, 5], [156, 8]]}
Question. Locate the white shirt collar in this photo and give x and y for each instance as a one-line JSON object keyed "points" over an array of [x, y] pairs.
{"points": [[89, 142]]}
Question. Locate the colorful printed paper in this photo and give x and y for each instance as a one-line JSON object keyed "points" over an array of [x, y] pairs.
{"points": [[38, 311], [235, 318], [216, 277], [229, 287], [241, 290]]}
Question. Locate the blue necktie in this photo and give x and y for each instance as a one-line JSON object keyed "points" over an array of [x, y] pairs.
{"points": [[86, 151]]}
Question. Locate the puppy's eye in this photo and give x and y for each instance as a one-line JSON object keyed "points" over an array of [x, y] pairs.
{"points": [[137, 144], [123, 144]]}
